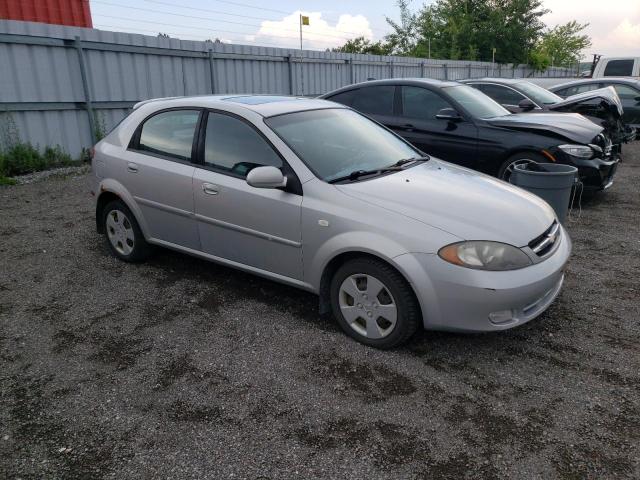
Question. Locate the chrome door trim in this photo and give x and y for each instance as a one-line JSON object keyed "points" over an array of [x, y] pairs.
{"points": [[248, 231]]}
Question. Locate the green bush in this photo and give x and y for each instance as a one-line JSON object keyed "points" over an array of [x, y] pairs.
{"points": [[21, 158]]}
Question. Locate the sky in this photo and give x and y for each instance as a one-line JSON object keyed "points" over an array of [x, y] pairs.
{"points": [[614, 25]]}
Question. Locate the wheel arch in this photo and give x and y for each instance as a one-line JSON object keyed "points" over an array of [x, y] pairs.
{"points": [[340, 259], [110, 190]]}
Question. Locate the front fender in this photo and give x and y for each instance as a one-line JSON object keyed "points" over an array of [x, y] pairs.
{"points": [[352, 242]]}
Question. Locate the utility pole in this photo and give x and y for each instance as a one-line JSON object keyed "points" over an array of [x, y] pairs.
{"points": [[429, 48], [303, 21]]}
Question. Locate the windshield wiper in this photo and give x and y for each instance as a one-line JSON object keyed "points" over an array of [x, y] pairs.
{"points": [[396, 167], [404, 161]]}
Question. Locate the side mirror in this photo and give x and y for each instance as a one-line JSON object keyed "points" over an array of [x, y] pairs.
{"points": [[449, 114], [525, 104], [266, 177]]}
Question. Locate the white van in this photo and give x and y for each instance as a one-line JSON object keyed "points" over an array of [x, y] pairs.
{"points": [[617, 67]]}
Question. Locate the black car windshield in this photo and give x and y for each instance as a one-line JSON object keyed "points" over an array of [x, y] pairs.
{"points": [[476, 103], [540, 95], [336, 142]]}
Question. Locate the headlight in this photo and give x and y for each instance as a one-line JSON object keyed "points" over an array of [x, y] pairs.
{"points": [[484, 255], [579, 151]]}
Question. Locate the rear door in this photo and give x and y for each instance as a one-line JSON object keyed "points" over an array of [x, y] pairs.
{"points": [[158, 172], [255, 227], [451, 141]]}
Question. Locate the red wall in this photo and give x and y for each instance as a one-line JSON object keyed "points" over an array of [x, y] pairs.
{"points": [[62, 12]]}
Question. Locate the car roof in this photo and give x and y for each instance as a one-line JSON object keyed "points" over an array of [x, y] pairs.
{"points": [[265, 105], [396, 81], [586, 81], [503, 81]]}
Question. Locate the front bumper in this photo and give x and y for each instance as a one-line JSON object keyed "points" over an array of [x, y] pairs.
{"points": [[596, 173], [460, 299]]}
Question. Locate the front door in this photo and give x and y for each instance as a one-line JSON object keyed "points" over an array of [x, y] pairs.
{"points": [[454, 142], [256, 227]]}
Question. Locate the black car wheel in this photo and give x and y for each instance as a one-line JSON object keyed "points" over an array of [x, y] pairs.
{"points": [[521, 158]]}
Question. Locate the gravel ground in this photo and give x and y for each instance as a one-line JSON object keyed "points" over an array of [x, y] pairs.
{"points": [[179, 368]]}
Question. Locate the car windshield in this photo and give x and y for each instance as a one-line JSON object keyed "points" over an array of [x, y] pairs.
{"points": [[538, 94], [475, 102], [336, 142]]}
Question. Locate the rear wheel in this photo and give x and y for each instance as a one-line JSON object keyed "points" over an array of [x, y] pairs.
{"points": [[123, 233], [522, 158], [373, 303]]}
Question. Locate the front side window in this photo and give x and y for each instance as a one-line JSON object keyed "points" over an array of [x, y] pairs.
{"points": [[421, 103], [170, 134], [619, 68], [475, 102], [624, 91], [337, 141], [538, 94], [376, 100], [502, 95], [233, 147]]}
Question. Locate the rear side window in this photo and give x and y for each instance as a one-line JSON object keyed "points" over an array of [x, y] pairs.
{"points": [[422, 103], [376, 100], [170, 134], [619, 68], [233, 147], [345, 98], [502, 95], [585, 87]]}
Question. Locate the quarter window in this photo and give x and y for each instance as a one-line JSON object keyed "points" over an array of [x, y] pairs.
{"points": [[619, 68], [345, 98], [374, 100], [233, 147], [422, 103], [170, 134]]}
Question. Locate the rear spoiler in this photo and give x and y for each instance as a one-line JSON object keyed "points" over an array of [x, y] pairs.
{"points": [[144, 102]]}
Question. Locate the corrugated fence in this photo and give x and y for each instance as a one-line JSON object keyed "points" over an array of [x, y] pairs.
{"points": [[60, 85]]}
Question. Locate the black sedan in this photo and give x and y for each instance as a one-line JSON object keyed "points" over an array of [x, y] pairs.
{"points": [[602, 106], [462, 125], [628, 90]]}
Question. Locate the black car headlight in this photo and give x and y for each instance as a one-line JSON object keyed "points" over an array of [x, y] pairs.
{"points": [[485, 255], [578, 151]]}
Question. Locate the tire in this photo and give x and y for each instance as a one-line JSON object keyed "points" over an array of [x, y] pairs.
{"points": [[504, 172], [123, 234], [369, 320]]}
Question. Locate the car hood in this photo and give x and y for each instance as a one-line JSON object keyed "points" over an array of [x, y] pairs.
{"points": [[571, 126], [462, 202], [608, 95]]}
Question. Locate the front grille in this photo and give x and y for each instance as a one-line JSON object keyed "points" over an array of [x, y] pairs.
{"points": [[543, 244]]}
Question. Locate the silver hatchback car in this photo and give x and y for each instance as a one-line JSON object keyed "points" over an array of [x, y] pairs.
{"points": [[316, 195]]}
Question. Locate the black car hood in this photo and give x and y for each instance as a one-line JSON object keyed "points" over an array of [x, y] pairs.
{"points": [[608, 95], [571, 126]]}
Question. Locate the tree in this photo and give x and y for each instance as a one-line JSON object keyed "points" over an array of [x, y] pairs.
{"points": [[563, 44], [362, 45]]}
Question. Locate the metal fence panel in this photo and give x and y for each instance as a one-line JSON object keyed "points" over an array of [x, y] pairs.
{"points": [[41, 84]]}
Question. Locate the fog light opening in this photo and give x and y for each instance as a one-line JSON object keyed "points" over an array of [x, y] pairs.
{"points": [[501, 317]]}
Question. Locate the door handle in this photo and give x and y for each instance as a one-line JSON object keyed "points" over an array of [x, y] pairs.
{"points": [[209, 189], [132, 167], [408, 127]]}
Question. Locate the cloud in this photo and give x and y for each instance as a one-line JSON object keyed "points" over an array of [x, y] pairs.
{"points": [[614, 25], [318, 35]]}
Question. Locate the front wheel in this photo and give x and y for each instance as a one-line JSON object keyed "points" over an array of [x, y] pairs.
{"points": [[373, 303]]}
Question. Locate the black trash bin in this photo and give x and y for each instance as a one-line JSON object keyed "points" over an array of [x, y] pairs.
{"points": [[550, 181]]}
